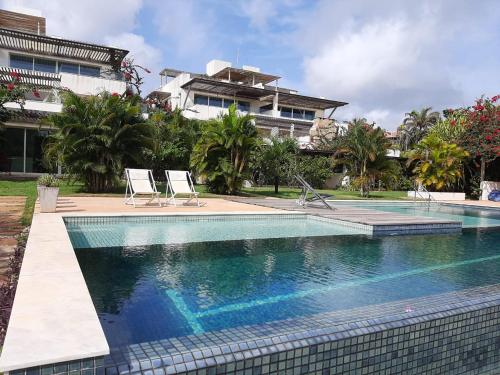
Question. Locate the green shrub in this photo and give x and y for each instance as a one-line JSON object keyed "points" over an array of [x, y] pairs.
{"points": [[48, 180]]}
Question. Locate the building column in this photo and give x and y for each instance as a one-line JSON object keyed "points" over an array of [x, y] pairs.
{"points": [[276, 112]]}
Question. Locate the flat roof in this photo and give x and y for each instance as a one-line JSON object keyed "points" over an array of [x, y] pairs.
{"points": [[245, 76], [50, 46], [210, 85]]}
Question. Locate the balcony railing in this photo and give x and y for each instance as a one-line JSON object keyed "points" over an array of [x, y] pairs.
{"points": [[30, 77], [80, 84]]}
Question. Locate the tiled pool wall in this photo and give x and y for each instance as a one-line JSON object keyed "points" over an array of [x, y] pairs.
{"points": [[461, 341], [142, 219], [86, 366]]}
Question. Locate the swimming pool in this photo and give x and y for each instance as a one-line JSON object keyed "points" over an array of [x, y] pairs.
{"points": [[471, 217], [285, 270]]}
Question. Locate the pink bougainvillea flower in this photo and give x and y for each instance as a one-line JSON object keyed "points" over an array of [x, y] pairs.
{"points": [[36, 93], [488, 138], [115, 94], [10, 87]]}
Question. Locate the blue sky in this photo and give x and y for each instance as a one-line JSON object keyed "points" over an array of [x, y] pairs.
{"points": [[383, 57]]}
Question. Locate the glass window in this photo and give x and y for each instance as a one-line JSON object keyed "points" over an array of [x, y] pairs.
{"points": [[298, 113], [21, 62], [286, 112], [201, 99], [228, 102], [215, 102], [34, 142], [43, 65], [309, 115], [12, 150], [91, 71], [243, 106], [266, 108], [66, 67]]}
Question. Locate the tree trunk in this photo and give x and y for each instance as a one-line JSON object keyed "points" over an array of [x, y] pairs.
{"points": [[276, 184], [483, 168]]}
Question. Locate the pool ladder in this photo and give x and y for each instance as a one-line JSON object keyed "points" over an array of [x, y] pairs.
{"points": [[419, 189]]}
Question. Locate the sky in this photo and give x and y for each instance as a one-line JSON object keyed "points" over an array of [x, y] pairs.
{"points": [[385, 58]]}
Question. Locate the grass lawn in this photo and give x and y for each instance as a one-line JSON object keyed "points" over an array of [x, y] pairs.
{"points": [[28, 188]]}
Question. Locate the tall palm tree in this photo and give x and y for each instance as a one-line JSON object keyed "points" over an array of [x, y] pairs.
{"points": [[363, 148], [415, 126], [274, 158], [95, 136], [223, 151]]}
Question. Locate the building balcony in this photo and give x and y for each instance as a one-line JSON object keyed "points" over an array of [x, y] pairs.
{"points": [[79, 84]]}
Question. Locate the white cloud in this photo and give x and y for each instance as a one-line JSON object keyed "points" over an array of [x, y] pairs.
{"points": [[143, 54], [387, 60], [259, 12], [89, 20], [109, 22], [188, 26]]}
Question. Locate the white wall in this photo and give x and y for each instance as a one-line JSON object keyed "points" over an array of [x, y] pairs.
{"points": [[32, 105], [84, 85], [438, 196]]}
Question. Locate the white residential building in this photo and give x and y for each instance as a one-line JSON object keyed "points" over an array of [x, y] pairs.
{"points": [[50, 64], [205, 96]]}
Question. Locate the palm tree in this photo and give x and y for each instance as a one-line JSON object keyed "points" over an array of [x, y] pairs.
{"points": [[275, 157], [96, 136], [439, 165], [363, 148], [223, 151], [416, 126]]}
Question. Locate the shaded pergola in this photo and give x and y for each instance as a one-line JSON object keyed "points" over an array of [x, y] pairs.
{"points": [[265, 94], [55, 47]]}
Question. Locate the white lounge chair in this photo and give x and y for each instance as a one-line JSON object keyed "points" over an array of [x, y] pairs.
{"points": [[180, 183], [304, 200], [140, 182]]}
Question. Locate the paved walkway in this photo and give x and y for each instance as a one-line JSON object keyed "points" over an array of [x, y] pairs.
{"points": [[113, 205], [11, 210]]}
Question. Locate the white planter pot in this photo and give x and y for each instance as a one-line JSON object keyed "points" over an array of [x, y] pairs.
{"points": [[438, 196], [48, 198]]}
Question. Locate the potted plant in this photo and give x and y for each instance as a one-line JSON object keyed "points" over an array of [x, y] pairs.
{"points": [[48, 190]]}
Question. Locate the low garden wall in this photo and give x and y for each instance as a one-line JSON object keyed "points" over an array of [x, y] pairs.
{"points": [[438, 196]]}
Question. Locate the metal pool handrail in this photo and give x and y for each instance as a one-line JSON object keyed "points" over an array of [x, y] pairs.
{"points": [[418, 189]]}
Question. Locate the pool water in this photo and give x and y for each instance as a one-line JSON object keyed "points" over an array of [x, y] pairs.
{"points": [[135, 231], [152, 292], [470, 217]]}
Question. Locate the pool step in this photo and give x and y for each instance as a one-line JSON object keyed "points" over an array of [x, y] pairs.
{"points": [[372, 221]]}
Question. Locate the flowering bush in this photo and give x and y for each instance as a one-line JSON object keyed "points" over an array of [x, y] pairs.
{"points": [[131, 73], [13, 92], [482, 136], [452, 127]]}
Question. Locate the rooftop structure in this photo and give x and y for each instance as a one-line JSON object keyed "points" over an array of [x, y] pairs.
{"points": [[50, 64], [206, 95]]}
